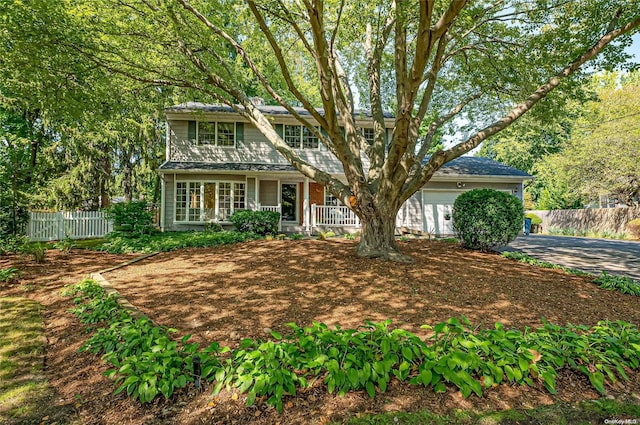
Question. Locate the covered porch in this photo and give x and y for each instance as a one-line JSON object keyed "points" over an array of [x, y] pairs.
{"points": [[304, 206]]}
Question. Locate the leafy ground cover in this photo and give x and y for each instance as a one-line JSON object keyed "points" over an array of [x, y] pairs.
{"points": [[147, 363], [169, 241], [622, 284], [253, 289], [25, 395]]}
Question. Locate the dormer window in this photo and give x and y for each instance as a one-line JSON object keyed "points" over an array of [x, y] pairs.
{"points": [[300, 137]]}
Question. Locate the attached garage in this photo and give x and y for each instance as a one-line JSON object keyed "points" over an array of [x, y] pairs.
{"points": [[430, 209], [437, 207]]}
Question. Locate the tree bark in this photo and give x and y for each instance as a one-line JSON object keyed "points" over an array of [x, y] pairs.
{"points": [[377, 238]]}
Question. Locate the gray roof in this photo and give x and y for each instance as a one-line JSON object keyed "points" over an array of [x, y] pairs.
{"points": [[480, 166], [265, 109], [465, 165]]}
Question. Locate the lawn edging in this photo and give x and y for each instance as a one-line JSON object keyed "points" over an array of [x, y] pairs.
{"points": [[622, 284], [110, 290], [25, 394]]}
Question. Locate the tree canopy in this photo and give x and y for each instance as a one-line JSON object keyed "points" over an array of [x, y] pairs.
{"points": [[461, 69], [601, 158]]}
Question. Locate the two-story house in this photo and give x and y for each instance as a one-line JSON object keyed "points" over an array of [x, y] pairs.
{"points": [[218, 163]]}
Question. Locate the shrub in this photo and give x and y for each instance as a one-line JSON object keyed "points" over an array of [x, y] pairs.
{"points": [[131, 218], [486, 218], [36, 250], [296, 236], [259, 222], [65, 245], [12, 244], [634, 228], [213, 227], [534, 218]]}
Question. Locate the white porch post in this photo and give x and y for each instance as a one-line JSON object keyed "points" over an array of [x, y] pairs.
{"points": [[306, 205], [257, 192], [162, 201]]}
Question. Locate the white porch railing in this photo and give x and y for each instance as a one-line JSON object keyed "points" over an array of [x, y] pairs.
{"points": [[47, 226], [274, 208], [333, 216]]}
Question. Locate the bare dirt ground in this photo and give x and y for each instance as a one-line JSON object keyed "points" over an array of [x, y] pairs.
{"points": [[228, 293]]}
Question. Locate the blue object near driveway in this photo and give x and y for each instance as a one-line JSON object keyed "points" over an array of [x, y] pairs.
{"points": [[527, 226]]}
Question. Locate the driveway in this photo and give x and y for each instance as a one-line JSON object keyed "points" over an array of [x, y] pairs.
{"points": [[591, 255]]}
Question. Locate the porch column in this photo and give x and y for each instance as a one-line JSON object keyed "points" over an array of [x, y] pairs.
{"points": [[305, 208], [162, 201]]}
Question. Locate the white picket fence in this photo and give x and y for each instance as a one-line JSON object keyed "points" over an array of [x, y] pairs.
{"points": [[55, 226]]}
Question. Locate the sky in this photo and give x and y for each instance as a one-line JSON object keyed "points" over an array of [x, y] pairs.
{"points": [[634, 49]]}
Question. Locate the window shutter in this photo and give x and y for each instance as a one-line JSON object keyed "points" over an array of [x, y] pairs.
{"points": [[324, 134], [191, 135], [280, 130], [239, 134]]}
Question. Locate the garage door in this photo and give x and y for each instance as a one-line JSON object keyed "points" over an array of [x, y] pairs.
{"points": [[437, 207]]}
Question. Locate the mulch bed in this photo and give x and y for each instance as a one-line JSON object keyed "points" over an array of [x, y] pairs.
{"points": [[228, 293]]}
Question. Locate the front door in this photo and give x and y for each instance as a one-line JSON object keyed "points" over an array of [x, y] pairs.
{"points": [[289, 202]]}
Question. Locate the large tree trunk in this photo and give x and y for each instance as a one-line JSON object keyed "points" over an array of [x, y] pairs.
{"points": [[378, 239]]}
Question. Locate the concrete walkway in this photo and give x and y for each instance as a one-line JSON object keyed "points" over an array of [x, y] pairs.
{"points": [[591, 255]]}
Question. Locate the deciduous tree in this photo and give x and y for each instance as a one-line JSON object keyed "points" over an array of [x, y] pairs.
{"points": [[470, 68]]}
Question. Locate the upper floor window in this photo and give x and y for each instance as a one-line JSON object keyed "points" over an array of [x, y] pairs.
{"points": [[368, 135], [216, 133], [300, 137]]}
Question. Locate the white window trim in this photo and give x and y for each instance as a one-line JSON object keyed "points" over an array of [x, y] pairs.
{"points": [[302, 128], [235, 134], [217, 205]]}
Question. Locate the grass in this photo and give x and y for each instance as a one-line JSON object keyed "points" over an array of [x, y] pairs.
{"points": [[588, 412], [25, 395]]}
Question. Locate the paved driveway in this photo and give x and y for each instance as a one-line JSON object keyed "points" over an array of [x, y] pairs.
{"points": [[591, 255]]}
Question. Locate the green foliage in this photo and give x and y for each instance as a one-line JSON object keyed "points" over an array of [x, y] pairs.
{"points": [[258, 222], [486, 218], [622, 284], [36, 250], [326, 235], [296, 236], [213, 227], [131, 218], [64, 245], [169, 241], [600, 159], [349, 236], [634, 228], [570, 231], [535, 219], [9, 274], [147, 362], [12, 244]]}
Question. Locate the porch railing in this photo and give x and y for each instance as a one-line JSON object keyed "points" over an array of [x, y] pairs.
{"points": [[333, 216]]}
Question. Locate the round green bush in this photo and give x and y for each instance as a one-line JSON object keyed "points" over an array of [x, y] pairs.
{"points": [[486, 218]]}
